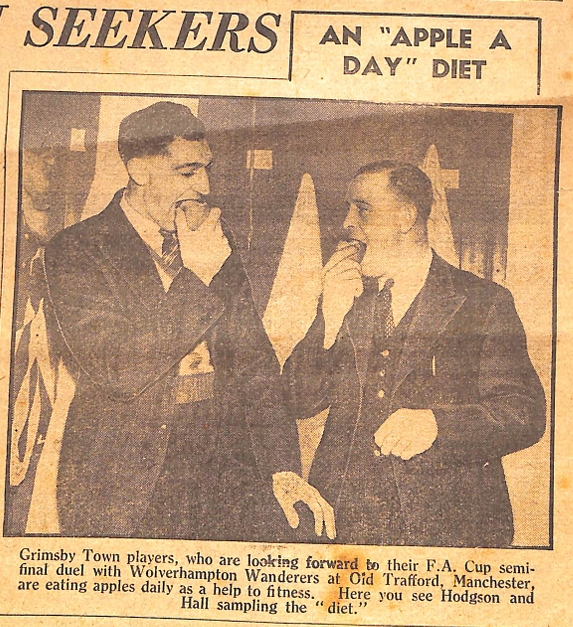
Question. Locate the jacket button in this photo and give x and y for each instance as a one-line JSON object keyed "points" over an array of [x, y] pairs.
{"points": [[385, 352], [382, 373], [381, 394]]}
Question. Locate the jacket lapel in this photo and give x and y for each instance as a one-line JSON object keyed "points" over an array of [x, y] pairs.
{"points": [[360, 327], [438, 303], [127, 252]]}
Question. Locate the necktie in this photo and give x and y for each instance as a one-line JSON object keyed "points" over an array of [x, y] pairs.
{"points": [[170, 252], [383, 316]]}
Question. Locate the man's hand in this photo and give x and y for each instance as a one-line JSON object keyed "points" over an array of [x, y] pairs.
{"points": [[289, 489], [342, 283], [407, 432], [204, 250]]}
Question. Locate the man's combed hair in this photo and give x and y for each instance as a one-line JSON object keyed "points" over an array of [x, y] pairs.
{"points": [[407, 181], [149, 131]]}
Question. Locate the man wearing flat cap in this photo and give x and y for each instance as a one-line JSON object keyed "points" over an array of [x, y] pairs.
{"points": [[177, 426], [426, 373]]}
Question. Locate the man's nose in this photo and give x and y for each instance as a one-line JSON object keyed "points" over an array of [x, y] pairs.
{"points": [[201, 182], [352, 226], [350, 223]]}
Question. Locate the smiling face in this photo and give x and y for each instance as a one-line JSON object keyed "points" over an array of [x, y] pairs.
{"points": [[376, 216], [179, 177]]}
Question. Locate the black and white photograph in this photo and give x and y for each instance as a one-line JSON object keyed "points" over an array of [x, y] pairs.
{"points": [[283, 320]]}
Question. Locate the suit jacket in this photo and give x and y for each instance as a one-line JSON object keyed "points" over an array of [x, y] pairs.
{"points": [[123, 336], [464, 357]]}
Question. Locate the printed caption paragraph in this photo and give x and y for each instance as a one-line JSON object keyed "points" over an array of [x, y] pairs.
{"points": [[269, 582]]}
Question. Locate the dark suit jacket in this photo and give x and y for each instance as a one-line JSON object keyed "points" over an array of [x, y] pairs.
{"points": [[464, 357], [123, 337]]}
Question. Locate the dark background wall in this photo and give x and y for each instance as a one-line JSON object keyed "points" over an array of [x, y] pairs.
{"points": [[330, 140]]}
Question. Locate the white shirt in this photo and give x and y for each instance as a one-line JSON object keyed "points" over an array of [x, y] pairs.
{"points": [[408, 282], [148, 230]]}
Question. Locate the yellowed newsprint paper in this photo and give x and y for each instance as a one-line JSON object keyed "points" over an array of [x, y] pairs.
{"points": [[285, 323]]}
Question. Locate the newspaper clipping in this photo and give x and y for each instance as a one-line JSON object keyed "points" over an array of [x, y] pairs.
{"points": [[284, 331]]}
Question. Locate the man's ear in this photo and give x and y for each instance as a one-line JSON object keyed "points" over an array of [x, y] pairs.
{"points": [[408, 217], [139, 170]]}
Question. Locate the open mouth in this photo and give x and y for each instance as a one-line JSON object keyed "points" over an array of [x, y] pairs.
{"points": [[360, 248]]}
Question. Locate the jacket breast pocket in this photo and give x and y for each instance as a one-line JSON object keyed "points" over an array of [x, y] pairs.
{"points": [[438, 378]]}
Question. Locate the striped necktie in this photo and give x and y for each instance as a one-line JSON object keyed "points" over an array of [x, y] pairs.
{"points": [[170, 253]]}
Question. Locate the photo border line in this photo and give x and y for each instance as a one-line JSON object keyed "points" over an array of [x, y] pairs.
{"points": [[558, 147], [5, 186], [555, 287]]}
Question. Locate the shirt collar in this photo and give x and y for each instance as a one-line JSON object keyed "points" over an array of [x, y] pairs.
{"points": [[408, 282], [146, 228], [412, 275]]}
